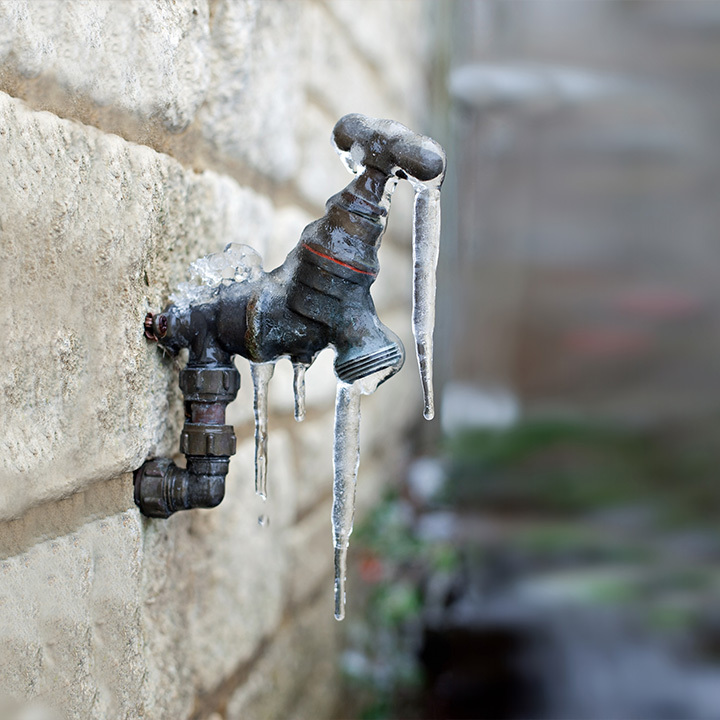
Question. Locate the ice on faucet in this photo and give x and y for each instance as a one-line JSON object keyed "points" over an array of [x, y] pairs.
{"points": [[261, 376], [426, 246], [320, 297], [346, 460], [299, 389], [237, 263]]}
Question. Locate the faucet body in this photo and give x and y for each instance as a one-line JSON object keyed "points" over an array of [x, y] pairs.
{"points": [[319, 296]]}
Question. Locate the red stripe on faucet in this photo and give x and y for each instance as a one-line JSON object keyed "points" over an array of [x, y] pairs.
{"points": [[339, 262]]}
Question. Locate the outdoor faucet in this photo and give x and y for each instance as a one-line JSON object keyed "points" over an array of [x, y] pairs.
{"points": [[319, 296]]}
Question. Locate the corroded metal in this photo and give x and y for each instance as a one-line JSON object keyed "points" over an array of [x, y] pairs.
{"points": [[161, 487], [319, 296]]}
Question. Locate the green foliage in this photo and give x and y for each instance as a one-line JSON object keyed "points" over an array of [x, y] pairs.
{"points": [[558, 466], [396, 562], [582, 512]]}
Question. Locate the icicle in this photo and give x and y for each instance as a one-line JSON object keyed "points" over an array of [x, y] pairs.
{"points": [[261, 374], [346, 459], [426, 244], [299, 389]]}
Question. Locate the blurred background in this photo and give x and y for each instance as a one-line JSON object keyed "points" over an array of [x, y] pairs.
{"points": [[553, 552]]}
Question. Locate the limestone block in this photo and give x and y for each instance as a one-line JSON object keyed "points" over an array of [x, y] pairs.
{"points": [[215, 581], [94, 232], [297, 676], [311, 555], [314, 452], [70, 611], [288, 224], [338, 78], [321, 172], [237, 214], [145, 58], [398, 57], [338, 82], [140, 616], [393, 286], [255, 97]]}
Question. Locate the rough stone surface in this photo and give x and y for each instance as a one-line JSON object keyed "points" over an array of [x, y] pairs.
{"points": [[336, 77], [149, 59], [311, 555], [104, 614], [255, 95], [215, 584], [95, 231], [139, 615], [295, 676], [313, 440], [372, 29], [321, 173], [70, 616]]}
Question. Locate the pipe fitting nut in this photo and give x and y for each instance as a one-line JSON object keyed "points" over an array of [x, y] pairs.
{"points": [[154, 482], [214, 440], [220, 384]]}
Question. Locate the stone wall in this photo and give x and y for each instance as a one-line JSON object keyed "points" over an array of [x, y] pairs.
{"points": [[136, 136]]}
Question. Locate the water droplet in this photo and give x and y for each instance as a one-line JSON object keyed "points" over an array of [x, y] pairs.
{"points": [[263, 520]]}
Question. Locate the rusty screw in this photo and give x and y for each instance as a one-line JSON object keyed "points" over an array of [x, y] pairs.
{"points": [[155, 326]]}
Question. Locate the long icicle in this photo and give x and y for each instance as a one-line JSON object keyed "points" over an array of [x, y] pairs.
{"points": [[346, 458], [261, 375], [426, 246]]}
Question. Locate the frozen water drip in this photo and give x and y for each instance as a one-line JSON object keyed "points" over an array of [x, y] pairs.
{"points": [[319, 297], [426, 246], [299, 389], [261, 375], [346, 460]]}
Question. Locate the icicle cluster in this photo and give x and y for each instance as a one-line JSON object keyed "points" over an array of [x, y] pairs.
{"points": [[346, 453], [240, 263], [261, 375]]}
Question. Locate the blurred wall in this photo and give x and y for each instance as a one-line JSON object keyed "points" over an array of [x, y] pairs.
{"points": [[135, 137], [583, 271]]}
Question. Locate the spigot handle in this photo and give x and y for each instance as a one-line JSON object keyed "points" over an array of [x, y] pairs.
{"points": [[395, 150], [388, 146]]}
